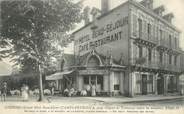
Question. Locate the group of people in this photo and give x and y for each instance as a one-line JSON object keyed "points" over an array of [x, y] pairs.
{"points": [[70, 92], [90, 90], [4, 91]]}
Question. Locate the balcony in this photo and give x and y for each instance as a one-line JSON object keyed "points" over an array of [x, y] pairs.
{"points": [[173, 68], [145, 63], [146, 39], [156, 65]]}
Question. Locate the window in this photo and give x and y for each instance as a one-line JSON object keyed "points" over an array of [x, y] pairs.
{"points": [[150, 84], [116, 87], [175, 60], [170, 40], [100, 81], [170, 59], [116, 80], [175, 41], [161, 57], [161, 34], [86, 79], [149, 30], [140, 51], [140, 27], [149, 55]]}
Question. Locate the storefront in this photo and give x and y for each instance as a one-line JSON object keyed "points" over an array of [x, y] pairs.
{"points": [[144, 83]]}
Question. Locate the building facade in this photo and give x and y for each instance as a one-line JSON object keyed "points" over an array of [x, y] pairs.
{"points": [[130, 50]]}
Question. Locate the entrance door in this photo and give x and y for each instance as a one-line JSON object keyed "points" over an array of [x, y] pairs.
{"points": [[160, 85], [97, 80], [144, 84]]}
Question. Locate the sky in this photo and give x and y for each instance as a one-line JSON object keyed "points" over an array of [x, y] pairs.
{"points": [[175, 6]]}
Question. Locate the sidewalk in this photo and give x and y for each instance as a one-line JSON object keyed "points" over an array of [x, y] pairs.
{"points": [[143, 98]]}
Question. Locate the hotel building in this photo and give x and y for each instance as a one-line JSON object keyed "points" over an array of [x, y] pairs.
{"points": [[130, 50]]}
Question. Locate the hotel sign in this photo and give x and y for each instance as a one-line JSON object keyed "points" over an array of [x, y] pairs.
{"points": [[103, 35], [92, 72]]}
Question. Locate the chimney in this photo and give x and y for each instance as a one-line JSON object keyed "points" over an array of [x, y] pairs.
{"points": [[95, 12], [86, 15], [168, 17], [159, 10], [105, 6], [147, 3]]}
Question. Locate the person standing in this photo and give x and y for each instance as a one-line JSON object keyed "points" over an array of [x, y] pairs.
{"points": [[88, 89], [4, 91], [24, 90], [93, 90]]}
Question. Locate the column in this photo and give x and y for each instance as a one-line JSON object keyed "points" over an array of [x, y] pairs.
{"points": [[165, 85], [79, 80], [105, 83], [155, 84], [111, 83], [178, 83], [131, 84], [122, 83], [57, 84]]}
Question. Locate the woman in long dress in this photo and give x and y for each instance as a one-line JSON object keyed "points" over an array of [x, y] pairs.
{"points": [[3, 91], [93, 90], [25, 90]]}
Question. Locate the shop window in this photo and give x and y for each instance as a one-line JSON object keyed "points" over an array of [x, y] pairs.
{"points": [[86, 79], [172, 84], [93, 80], [100, 81], [116, 87], [116, 80]]}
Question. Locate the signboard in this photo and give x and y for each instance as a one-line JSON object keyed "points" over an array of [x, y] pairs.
{"points": [[105, 34], [92, 72]]}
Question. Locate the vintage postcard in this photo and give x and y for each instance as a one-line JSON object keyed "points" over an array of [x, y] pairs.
{"points": [[91, 56]]}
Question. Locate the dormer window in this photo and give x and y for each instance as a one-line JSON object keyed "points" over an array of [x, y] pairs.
{"points": [[168, 17], [147, 3], [159, 10]]}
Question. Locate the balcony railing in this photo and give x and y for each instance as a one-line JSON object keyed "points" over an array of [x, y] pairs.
{"points": [[147, 37], [156, 65]]}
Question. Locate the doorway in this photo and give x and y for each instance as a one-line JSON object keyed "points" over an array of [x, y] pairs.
{"points": [[97, 80], [144, 84], [160, 85]]}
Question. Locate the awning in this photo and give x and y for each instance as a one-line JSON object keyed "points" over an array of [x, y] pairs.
{"points": [[58, 75]]}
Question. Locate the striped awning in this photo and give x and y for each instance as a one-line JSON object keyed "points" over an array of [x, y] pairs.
{"points": [[58, 75]]}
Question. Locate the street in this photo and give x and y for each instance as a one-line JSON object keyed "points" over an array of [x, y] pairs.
{"points": [[97, 100]]}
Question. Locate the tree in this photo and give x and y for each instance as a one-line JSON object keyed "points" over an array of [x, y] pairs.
{"points": [[33, 31]]}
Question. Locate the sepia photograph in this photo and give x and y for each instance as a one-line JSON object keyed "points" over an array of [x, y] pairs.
{"points": [[91, 56]]}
